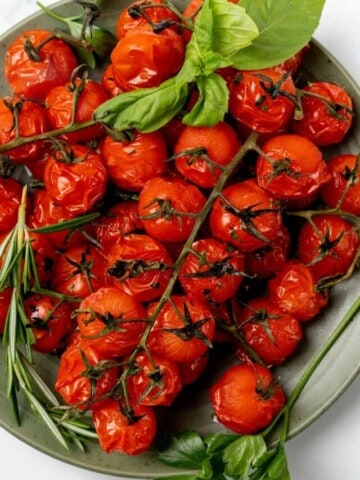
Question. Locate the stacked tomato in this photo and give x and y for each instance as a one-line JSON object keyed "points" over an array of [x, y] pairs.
{"points": [[133, 315]]}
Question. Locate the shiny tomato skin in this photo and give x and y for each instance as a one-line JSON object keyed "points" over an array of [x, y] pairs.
{"points": [[145, 59], [117, 433], [132, 163], [108, 82], [60, 105], [294, 290], [189, 318], [191, 371], [328, 245], [140, 266], [212, 271], [246, 398], [32, 78], [79, 184], [44, 256], [229, 217], [343, 169], [32, 120], [294, 168], [319, 123], [5, 299], [199, 149], [271, 333], [156, 381], [73, 382], [79, 271], [167, 208], [111, 321], [10, 198], [254, 102]]}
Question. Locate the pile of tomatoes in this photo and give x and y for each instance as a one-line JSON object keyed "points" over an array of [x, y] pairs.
{"points": [[254, 275]]}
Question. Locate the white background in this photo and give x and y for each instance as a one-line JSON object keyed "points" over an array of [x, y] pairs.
{"points": [[330, 448]]}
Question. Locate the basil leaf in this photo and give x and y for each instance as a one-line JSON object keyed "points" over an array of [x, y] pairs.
{"points": [[285, 27], [186, 450], [274, 467], [145, 109], [212, 104], [241, 455], [218, 441]]}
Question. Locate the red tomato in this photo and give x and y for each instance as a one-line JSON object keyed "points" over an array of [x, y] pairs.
{"points": [[156, 380], [167, 208], [132, 163], [35, 62], [191, 371], [111, 321], [327, 114], [245, 216], [183, 329], [25, 118], [140, 266], [143, 58], [271, 333], [212, 271], [108, 81], [79, 271], [5, 299], [44, 254], [294, 290], [50, 320], [76, 179], [86, 96], [81, 381], [10, 198], [343, 188], [199, 150], [291, 168], [247, 398], [328, 245], [264, 100], [119, 433]]}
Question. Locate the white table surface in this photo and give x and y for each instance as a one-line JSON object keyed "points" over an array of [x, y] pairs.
{"points": [[327, 450]]}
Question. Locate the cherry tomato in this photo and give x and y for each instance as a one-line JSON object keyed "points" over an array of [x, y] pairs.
{"points": [[327, 114], [271, 333], [129, 434], [76, 178], [132, 163], [10, 198], [294, 290], [191, 371], [35, 62], [112, 321], [79, 271], [246, 398], [167, 208], [245, 216], [199, 150], [23, 118], [212, 271], [328, 245], [44, 254], [264, 100], [156, 380], [343, 188], [143, 58], [291, 168], [50, 320], [183, 329], [83, 378], [140, 266], [293, 63], [108, 81], [82, 97], [5, 299]]}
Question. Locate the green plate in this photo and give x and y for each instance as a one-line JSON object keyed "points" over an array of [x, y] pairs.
{"points": [[192, 409]]}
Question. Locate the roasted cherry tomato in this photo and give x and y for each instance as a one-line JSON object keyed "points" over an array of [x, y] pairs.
{"points": [[191, 371], [10, 198], [35, 62], [327, 113], [245, 216], [108, 81], [131, 163], [247, 398], [5, 299], [44, 255], [264, 100]]}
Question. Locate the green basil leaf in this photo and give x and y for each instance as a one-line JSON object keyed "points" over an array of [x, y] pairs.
{"points": [[146, 109], [218, 441], [285, 27], [212, 104], [186, 450], [241, 455], [276, 467]]}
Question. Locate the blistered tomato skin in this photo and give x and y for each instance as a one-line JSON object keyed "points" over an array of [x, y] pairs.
{"points": [[10, 198]]}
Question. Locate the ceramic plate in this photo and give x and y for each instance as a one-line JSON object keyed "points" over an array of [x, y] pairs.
{"points": [[192, 409]]}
